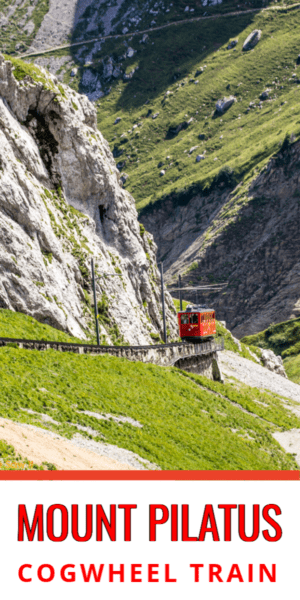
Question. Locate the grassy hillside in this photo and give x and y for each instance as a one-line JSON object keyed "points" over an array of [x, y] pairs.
{"points": [[282, 338], [186, 422], [292, 368], [200, 423], [20, 326], [240, 140]]}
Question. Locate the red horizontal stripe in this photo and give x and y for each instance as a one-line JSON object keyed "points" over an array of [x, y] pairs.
{"points": [[150, 475]]}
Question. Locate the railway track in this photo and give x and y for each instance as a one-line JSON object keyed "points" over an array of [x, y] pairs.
{"points": [[195, 357], [218, 345]]}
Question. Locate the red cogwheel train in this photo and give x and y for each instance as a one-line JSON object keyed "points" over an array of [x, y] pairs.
{"points": [[196, 323]]}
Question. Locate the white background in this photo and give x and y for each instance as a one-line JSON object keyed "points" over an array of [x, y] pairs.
{"points": [[285, 553]]}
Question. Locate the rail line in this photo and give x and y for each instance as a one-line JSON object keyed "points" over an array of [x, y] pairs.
{"points": [[28, 344]]}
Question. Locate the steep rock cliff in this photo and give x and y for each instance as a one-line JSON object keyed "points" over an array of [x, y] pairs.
{"points": [[61, 204], [248, 237]]}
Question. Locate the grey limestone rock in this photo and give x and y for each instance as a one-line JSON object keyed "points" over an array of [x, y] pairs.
{"points": [[264, 95], [130, 52], [252, 39], [232, 44], [272, 362], [223, 105], [61, 203]]}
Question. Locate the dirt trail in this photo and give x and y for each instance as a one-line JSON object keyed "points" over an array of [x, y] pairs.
{"points": [[39, 447], [151, 29]]}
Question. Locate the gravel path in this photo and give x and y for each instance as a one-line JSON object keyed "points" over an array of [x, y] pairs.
{"points": [[255, 375], [40, 445], [53, 29]]}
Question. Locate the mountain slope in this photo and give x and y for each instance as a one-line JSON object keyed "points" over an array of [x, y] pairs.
{"points": [[283, 339], [248, 238], [115, 403], [60, 205], [158, 116]]}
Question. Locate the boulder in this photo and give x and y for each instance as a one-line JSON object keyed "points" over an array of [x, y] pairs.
{"points": [[155, 115], [145, 38], [192, 149], [223, 105], [123, 178], [199, 71], [130, 52], [232, 44], [74, 72], [252, 39], [264, 95], [272, 362], [162, 172], [121, 165], [175, 129], [199, 157], [118, 119]]}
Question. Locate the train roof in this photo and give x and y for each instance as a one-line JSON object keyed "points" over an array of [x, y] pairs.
{"points": [[196, 308]]}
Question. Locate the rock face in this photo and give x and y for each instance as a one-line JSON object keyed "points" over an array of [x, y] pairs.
{"points": [[273, 363], [248, 237], [61, 204]]}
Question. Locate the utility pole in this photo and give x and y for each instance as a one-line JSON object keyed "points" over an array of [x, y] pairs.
{"points": [[163, 300], [95, 302], [180, 292]]}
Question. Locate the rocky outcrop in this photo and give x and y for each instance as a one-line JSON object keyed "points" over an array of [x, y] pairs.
{"points": [[273, 363], [61, 204], [248, 237]]}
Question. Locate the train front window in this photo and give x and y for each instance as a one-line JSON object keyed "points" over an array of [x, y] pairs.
{"points": [[194, 318], [184, 319]]}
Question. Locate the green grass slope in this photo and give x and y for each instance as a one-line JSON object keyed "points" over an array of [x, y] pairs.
{"points": [[283, 339], [292, 368], [168, 63], [201, 424], [19, 326], [188, 422]]}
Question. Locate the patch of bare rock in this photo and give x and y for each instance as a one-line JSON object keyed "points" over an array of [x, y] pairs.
{"points": [[255, 375]]}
